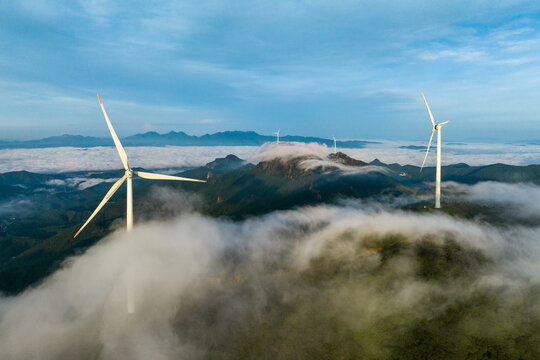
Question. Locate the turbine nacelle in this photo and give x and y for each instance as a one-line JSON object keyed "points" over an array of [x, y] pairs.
{"points": [[439, 126]]}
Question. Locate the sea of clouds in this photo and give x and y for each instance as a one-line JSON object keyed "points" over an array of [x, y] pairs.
{"points": [[65, 159]]}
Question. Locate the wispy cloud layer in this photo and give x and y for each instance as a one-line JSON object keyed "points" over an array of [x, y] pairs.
{"points": [[251, 272], [517, 200], [79, 182]]}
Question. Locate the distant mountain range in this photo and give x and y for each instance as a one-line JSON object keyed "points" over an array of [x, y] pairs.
{"points": [[180, 138]]}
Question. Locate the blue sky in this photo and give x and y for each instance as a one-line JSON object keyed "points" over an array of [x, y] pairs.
{"points": [[352, 69]]}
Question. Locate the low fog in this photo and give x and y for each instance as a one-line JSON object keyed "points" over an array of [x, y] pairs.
{"points": [[521, 199], [318, 282], [79, 182]]}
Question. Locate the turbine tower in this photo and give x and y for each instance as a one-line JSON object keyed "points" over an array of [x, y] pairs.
{"points": [[335, 146], [277, 134], [128, 175], [436, 127]]}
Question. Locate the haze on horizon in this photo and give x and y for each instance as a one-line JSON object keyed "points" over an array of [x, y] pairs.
{"points": [[318, 68]]}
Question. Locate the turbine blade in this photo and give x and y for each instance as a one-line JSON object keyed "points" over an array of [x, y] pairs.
{"points": [[429, 145], [446, 122], [110, 193], [119, 147], [152, 176], [429, 111]]}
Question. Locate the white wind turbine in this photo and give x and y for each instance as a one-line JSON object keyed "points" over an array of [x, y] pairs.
{"points": [[277, 134], [437, 127], [335, 146], [127, 176]]}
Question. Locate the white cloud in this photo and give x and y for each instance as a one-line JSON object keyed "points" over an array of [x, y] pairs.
{"points": [[521, 199], [56, 182], [83, 183], [316, 157], [106, 158], [288, 150], [175, 157], [78, 182], [474, 154], [463, 54]]}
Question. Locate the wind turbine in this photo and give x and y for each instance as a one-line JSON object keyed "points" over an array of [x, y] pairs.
{"points": [[335, 147], [277, 134], [438, 128], [128, 175]]}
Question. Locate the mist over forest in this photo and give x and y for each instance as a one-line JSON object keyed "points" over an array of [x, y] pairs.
{"points": [[324, 281]]}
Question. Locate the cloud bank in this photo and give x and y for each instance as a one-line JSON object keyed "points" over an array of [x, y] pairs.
{"points": [[519, 200], [474, 154], [315, 282], [65, 159]]}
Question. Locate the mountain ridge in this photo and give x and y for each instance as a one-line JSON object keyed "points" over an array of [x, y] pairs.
{"points": [[43, 211], [174, 138]]}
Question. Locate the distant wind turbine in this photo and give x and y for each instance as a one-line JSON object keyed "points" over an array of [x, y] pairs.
{"points": [[437, 127], [335, 146], [277, 134], [127, 176]]}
